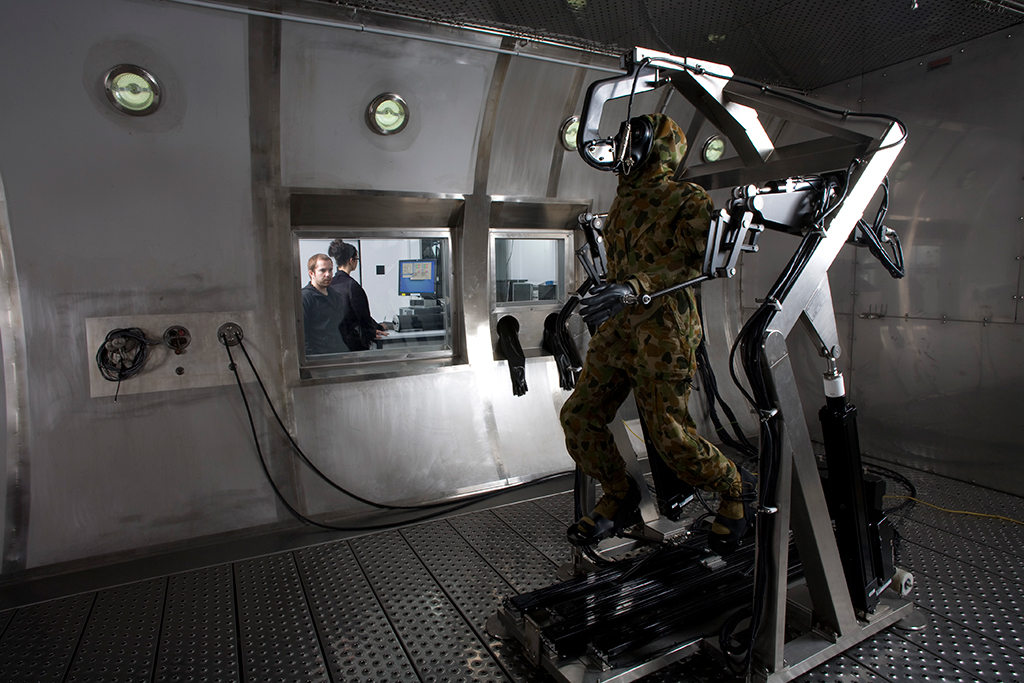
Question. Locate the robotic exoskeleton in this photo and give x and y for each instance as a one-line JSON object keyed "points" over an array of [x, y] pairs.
{"points": [[820, 193]]}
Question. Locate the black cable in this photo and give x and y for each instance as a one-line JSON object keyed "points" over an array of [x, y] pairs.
{"points": [[894, 264], [749, 346], [766, 89], [331, 482], [632, 92], [448, 507], [710, 384], [902, 480], [703, 503], [123, 354]]}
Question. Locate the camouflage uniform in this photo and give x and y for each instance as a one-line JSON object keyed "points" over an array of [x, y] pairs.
{"points": [[655, 236]]}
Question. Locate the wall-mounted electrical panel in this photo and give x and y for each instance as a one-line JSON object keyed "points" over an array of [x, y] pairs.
{"points": [[184, 352]]}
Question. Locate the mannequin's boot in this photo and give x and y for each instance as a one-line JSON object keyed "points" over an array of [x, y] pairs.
{"points": [[735, 518], [615, 511]]}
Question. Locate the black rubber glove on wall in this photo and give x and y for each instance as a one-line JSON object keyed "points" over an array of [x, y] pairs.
{"points": [[508, 338]]}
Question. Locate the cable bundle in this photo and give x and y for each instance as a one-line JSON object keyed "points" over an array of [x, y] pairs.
{"points": [[750, 344], [436, 509], [878, 235], [123, 355]]}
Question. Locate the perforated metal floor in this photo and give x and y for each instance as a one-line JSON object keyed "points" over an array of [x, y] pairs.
{"points": [[410, 605]]}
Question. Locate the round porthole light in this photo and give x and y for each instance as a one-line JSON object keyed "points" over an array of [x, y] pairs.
{"points": [[567, 133], [132, 89], [387, 114], [714, 148]]}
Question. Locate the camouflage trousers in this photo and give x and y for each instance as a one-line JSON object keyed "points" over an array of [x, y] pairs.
{"points": [[656, 359]]}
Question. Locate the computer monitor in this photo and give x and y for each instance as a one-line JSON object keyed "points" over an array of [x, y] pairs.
{"points": [[416, 276]]}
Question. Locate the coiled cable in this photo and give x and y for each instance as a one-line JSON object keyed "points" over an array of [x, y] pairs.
{"points": [[123, 354]]}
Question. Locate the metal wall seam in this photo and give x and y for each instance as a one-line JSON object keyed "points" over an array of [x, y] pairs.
{"points": [[15, 372], [393, 33]]}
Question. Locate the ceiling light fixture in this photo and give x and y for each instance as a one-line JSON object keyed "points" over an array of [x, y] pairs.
{"points": [[713, 149], [568, 132], [132, 90], [387, 114]]}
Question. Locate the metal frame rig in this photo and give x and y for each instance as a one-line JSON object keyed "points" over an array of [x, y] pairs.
{"points": [[820, 191]]}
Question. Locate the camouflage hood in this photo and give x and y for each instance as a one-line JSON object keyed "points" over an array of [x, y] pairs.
{"points": [[667, 152]]}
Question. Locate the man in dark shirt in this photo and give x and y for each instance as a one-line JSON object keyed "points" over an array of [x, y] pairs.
{"points": [[323, 309], [358, 329]]}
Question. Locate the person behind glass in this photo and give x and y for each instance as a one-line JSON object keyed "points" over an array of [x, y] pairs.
{"points": [[323, 309], [358, 329]]}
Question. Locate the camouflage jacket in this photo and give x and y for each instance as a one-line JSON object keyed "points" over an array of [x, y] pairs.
{"points": [[657, 228]]}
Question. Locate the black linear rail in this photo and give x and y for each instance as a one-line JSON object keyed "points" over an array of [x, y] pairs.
{"points": [[617, 611], [647, 628], [621, 573]]}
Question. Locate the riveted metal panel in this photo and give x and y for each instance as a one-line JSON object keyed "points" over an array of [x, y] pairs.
{"points": [[41, 639], [439, 641], [986, 659], [359, 643], [537, 527], [278, 640], [120, 640], [199, 637], [518, 562], [957, 213], [839, 669], [473, 586], [900, 660], [996, 534], [977, 582], [559, 506], [966, 551], [992, 621]]}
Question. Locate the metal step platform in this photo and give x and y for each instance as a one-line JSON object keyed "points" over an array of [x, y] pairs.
{"points": [[412, 605]]}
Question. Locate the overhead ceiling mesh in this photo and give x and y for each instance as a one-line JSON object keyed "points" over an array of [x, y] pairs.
{"points": [[803, 44]]}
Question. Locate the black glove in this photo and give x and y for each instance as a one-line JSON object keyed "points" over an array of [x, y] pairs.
{"points": [[606, 300], [508, 339]]}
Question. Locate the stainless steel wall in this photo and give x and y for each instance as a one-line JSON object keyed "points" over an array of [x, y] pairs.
{"points": [[329, 76], [116, 215], [187, 211], [933, 361]]}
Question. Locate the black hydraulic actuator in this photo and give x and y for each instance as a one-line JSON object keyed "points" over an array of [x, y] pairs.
{"points": [[856, 536]]}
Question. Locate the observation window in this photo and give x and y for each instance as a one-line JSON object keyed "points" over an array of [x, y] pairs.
{"points": [[400, 282], [529, 268]]}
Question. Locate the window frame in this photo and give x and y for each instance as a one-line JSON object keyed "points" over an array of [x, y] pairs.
{"points": [[568, 254], [358, 362]]}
